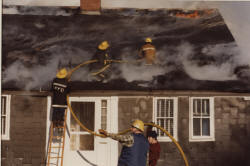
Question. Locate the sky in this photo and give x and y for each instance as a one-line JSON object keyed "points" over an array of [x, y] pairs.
{"points": [[237, 18]]}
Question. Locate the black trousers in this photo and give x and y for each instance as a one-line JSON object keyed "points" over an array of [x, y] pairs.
{"points": [[58, 114], [121, 164]]}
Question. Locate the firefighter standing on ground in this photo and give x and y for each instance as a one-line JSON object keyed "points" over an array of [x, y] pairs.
{"points": [[148, 52], [101, 69], [154, 149], [135, 146], [59, 99]]}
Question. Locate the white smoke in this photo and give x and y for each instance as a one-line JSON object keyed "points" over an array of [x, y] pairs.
{"points": [[214, 71], [37, 75], [33, 77], [28, 10], [184, 54], [141, 72]]}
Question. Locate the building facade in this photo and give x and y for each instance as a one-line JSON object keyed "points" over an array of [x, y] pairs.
{"points": [[212, 128]]}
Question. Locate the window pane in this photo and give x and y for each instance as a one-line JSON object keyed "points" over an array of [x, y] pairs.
{"points": [[81, 142], [166, 108], [196, 127], [3, 131], [85, 112], [158, 108], [73, 145], [104, 115], [163, 108], [170, 126], [205, 107], [86, 142], [205, 127], [197, 107], [171, 108], [160, 122], [3, 107]]}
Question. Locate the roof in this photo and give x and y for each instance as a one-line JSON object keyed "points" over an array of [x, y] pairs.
{"points": [[195, 51]]}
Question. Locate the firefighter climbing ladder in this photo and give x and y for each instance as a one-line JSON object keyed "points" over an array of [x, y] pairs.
{"points": [[58, 150], [125, 131], [56, 144]]}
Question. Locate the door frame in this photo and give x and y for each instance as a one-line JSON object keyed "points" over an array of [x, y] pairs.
{"points": [[112, 126]]}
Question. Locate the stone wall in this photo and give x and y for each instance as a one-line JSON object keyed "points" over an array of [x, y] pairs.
{"points": [[232, 132], [232, 124], [27, 143], [231, 147], [134, 108]]}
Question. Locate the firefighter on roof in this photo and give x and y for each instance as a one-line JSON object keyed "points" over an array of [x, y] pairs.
{"points": [[135, 146], [59, 99], [148, 51], [101, 69]]}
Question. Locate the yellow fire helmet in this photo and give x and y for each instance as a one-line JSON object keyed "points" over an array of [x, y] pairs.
{"points": [[62, 73], [104, 45], [138, 124], [148, 40]]}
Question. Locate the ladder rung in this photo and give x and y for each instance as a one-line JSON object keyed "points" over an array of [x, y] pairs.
{"points": [[57, 142], [57, 137], [56, 147], [61, 127], [53, 152]]}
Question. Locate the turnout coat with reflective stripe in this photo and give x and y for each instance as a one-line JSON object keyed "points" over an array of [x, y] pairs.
{"points": [[148, 52], [60, 90]]}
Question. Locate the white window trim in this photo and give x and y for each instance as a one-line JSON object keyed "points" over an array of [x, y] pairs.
{"points": [[7, 135], [175, 102], [193, 138]]}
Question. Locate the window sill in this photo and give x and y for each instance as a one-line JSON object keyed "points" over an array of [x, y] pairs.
{"points": [[167, 139], [202, 139]]}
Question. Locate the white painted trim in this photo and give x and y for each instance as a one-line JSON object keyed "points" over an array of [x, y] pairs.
{"points": [[175, 104], [7, 129], [0, 77], [114, 129], [212, 128], [48, 122], [247, 98]]}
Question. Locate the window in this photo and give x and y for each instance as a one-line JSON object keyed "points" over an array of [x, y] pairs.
{"points": [[104, 108], [5, 117], [201, 119], [165, 115], [92, 113], [79, 138]]}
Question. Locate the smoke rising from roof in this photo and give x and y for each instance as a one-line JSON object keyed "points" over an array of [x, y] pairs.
{"points": [[182, 44]]}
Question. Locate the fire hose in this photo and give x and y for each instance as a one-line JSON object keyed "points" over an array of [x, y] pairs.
{"points": [[125, 131]]}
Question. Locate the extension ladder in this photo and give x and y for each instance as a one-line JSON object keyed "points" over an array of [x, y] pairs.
{"points": [[56, 144]]}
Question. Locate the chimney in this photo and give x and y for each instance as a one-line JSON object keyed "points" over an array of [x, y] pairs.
{"points": [[90, 6]]}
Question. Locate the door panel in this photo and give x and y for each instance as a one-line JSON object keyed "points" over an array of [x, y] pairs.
{"points": [[80, 139], [82, 148]]}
